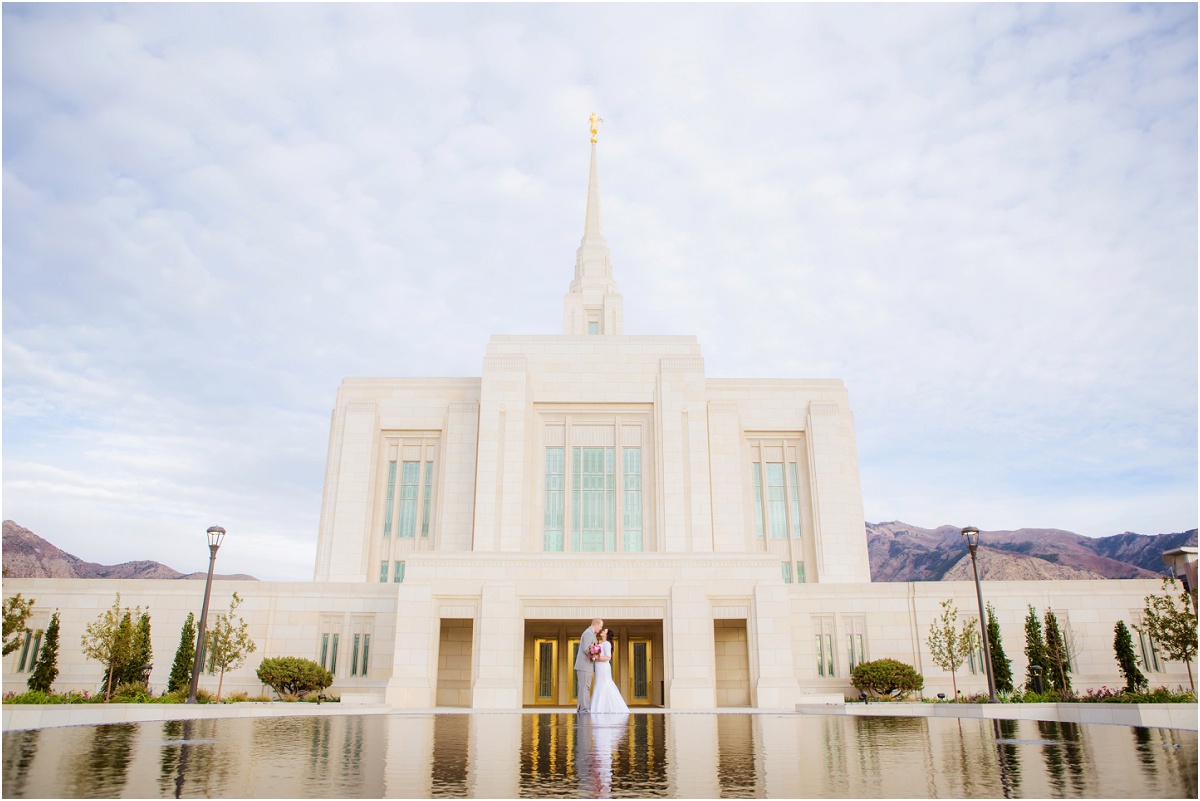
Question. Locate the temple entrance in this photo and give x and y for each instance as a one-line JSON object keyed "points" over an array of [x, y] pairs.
{"points": [[549, 662]]}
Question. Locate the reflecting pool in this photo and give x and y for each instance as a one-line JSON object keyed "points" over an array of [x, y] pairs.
{"points": [[681, 755]]}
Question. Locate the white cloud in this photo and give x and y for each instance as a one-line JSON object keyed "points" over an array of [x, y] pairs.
{"points": [[981, 217]]}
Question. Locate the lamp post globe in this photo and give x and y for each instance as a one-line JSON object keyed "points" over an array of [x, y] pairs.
{"points": [[970, 535], [216, 535]]}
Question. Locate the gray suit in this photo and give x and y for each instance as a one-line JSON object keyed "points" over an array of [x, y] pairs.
{"points": [[584, 669]]}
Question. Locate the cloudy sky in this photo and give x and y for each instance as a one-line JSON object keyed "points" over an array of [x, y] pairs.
{"points": [[982, 218]]}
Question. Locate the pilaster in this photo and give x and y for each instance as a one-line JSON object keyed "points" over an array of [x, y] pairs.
{"points": [[688, 640], [413, 684], [499, 628]]}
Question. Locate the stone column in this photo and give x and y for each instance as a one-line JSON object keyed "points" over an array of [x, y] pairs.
{"points": [[688, 642], [413, 684], [836, 489], [772, 665], [499, 630]]}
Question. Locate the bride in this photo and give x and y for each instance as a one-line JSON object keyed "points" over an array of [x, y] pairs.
{"points": [[606, 698]]}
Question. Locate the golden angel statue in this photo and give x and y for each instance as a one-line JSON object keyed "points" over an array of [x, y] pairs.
{"points": [[592, 120]]}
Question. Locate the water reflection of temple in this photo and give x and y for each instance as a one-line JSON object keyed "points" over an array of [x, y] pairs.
{"points": [[679, 755]]}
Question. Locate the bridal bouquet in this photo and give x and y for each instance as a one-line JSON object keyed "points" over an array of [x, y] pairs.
{"points": [[593, 651]]}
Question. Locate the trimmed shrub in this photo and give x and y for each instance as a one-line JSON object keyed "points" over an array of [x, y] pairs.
{"points": [[291, 677], [886, 677]]}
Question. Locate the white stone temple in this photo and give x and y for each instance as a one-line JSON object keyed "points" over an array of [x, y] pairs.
{"points": [[472, 527]]}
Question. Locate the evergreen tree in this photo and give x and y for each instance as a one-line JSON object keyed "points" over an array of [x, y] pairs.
{"points": [[185, 656], [1127, 659], [121, 673], [1001, 665], [141, 652], [46, 670], [1059, 665], [1035, 647]]}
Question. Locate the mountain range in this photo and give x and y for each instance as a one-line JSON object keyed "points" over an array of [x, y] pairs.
{"points": [[900, 552], [26, 555], [897, 551]]}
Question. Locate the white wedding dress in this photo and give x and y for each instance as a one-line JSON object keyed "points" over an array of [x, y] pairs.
{"points": [[606, 698]]}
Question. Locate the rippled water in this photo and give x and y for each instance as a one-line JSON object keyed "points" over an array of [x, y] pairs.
{"points": [[682, 755]]}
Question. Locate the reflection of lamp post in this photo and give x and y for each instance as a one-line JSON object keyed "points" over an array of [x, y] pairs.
{"points": [[215, 535], [971, 535]]}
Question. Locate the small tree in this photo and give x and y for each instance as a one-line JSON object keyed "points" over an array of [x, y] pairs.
{"points": [[948, 645], [886, 677], [1171, 623], [290, 676], [16, 615], [46, 670], [228, 643], [1035, 647], [1127, 659], [1056, 655], [108, 641], [138, 654], [185, 656], [125, 648], [1001, 665]]}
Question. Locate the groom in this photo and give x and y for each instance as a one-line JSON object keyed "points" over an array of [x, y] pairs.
{"points": [[584, 667]]}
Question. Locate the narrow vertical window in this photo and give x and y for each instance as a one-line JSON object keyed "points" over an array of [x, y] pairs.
{"points": [[366, 653], [800, 573], [354, 655], [398, 573], [820, 656], [552, 521], [776, 503], [427, 495], [25, 651], [383, 572], [794, 491], [37, 648], [758, 500], [324, 650], [391, 498], [631, 470], [333, 656], [829, 656], [410, 474], [787, 572], [593, 499]]}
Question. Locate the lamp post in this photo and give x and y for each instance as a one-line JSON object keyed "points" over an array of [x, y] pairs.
{"points": [[215, 535], [971, 535]]}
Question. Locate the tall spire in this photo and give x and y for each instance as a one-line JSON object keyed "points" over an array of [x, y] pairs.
{"points": [[593, 305]]}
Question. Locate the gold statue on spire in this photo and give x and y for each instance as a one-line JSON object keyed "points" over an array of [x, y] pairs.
{"points": [[592, 120]]}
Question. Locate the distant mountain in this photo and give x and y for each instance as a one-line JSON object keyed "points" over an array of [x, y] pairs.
{"points": [[900, 552], [26, 555]]}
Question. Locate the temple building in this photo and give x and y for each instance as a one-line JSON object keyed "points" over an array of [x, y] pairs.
{"points": [[471, 528]]}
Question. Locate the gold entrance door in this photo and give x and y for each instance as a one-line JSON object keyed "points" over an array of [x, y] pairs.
{"points": [[571, 671], [639, 671], [545, 671]]}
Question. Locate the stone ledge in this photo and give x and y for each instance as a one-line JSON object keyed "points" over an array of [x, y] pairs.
{"points": [[1158, 716]]}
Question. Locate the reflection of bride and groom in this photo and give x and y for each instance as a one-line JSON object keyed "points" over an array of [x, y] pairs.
{"points": [[602, 711]]}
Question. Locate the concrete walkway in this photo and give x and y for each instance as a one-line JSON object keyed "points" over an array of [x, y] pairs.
{"points": [[18, 717]]}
